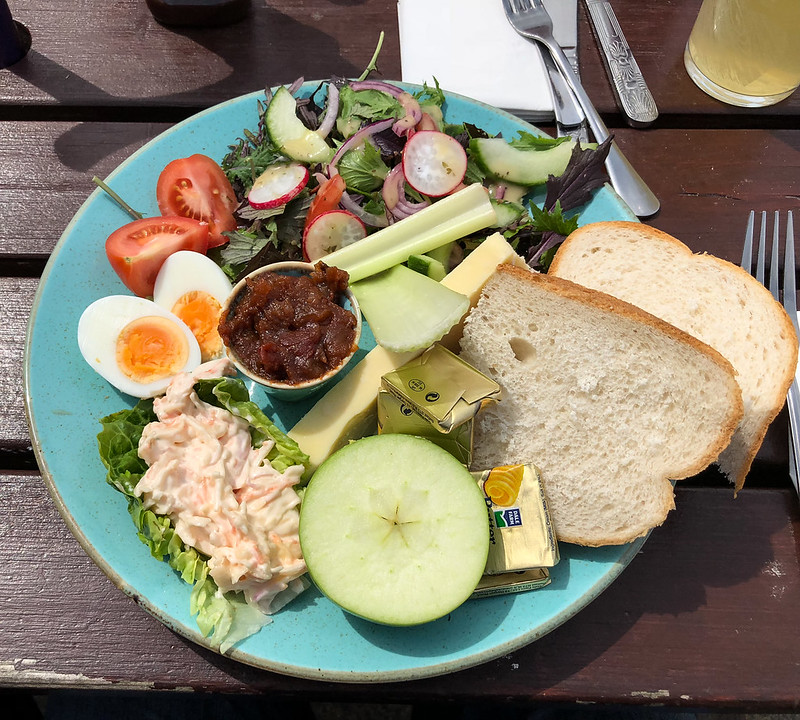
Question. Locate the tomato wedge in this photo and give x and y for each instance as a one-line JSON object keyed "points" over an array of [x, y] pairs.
{"points": [[196, 187], [328, 197], [138, 250]]}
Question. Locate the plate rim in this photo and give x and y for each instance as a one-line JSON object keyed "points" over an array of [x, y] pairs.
{"points": [[432, 669]]}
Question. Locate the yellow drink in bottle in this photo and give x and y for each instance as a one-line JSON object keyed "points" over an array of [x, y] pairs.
{"points": [[746, 52]]}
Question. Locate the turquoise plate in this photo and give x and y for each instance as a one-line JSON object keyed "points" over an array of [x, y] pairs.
{"points": [[311, 637]]}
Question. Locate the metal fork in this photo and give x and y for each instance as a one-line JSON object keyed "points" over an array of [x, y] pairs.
{"points": [[531, 20], [789, 299]]}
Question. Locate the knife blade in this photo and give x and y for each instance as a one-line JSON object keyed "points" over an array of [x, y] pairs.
{"points": [[570, 119], [564, 14], [630, 89]]}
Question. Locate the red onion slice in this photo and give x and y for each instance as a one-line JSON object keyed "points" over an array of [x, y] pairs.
{"points": [[394, 196], [377, 85], [412, 117], [329, 120], [367, 218]]}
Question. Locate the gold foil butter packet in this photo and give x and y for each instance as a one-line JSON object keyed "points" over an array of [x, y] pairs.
{"points": [[522, 536], [511, 582], [397, 416], [441, 387]]}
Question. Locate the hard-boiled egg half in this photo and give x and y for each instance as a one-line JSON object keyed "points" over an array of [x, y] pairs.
{"points": [[194, 288], [136, 345]]}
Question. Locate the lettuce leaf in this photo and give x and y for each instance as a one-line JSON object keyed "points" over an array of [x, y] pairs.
{"points": [[231, 394], [359, 106], [363, 169], [224, 618]]}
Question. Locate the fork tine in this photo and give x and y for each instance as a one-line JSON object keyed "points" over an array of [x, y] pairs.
{"points": [[747, 253], [762, 246], [789, 287], [774, 261], [511, 7]]}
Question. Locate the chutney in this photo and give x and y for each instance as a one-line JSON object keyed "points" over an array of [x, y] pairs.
{"points": [[291, 328]]}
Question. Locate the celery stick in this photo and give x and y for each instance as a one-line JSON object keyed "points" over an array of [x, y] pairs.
{"points": [[451, 218], [407, 310]]}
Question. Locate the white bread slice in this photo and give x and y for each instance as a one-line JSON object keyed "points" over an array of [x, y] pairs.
{"points": [[710, 298], [608, 401]]}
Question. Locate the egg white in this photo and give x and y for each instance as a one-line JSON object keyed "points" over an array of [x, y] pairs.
{"points": [[185, 271], [100, 326]]}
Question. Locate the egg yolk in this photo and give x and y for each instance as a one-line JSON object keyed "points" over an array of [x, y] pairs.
{"points": [[151, 348], [200, 311]]}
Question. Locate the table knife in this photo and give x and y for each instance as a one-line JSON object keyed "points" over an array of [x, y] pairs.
{"points": [[570, 119], [631, 91], [564, 14]]}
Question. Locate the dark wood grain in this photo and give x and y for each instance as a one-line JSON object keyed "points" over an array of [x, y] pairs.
{"points": [[128, 60], [16, 298], [718, 583]]}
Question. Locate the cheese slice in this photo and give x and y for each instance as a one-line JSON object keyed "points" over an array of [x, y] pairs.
{"points": [[348, 410]]}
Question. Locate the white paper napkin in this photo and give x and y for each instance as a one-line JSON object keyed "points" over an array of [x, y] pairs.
{"points": [[471, 49]]}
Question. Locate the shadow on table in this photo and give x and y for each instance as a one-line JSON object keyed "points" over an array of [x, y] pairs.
{"points": [[313, 54], [678, 578]]}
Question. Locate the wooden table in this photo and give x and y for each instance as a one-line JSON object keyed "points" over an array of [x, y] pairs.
{"points": [[705, 616]]}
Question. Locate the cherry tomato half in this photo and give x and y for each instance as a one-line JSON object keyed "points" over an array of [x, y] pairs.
{"points": [[137, 250], [328, 197], [196, 187]]}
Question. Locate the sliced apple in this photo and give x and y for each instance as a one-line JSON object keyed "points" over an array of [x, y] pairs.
{"points": [[395, 530]]}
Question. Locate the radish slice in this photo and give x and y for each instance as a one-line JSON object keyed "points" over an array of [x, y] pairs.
{"points": [[277, 185], [330, 231], [434, 163]]}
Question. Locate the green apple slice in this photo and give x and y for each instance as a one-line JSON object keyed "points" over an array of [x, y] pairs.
{"points": [[394, 529]]}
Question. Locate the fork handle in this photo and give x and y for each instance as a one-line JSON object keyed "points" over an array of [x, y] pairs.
{"points": [[626, 181]]}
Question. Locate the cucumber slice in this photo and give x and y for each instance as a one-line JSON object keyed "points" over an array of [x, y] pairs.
{"points": [[394, 529], [523, 167], [443, 254], [289, 134], [427, 265], [407, 310], [507, 213]]}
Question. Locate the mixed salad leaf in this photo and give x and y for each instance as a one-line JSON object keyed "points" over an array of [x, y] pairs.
{"points": [[537, 238], [368, 146], [225, 618]]}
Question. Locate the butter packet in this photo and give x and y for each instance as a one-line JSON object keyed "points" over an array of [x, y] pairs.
{"points": [[435, 396], [521, 531], [396, 416], [511, 582], [441, 387]]}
